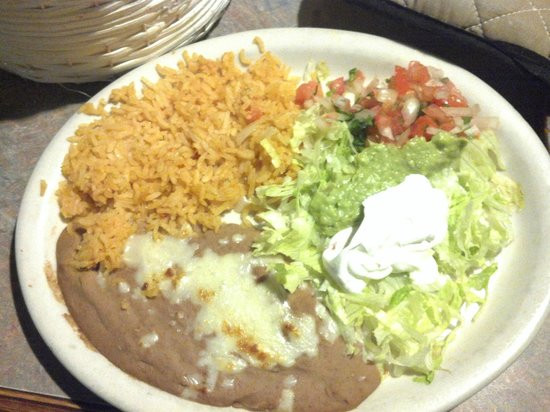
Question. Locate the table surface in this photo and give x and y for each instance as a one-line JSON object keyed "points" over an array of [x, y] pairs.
{"points": [[31, 114]]}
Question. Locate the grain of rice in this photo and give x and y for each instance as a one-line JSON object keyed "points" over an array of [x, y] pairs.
{"points": [[245, 61], [260, 43], [92, 110], [43, 187]]}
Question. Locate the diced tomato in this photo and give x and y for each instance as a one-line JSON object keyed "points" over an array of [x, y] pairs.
{"points": [[253, 114], [457, 100], [368, 102], [337, 86], [454, 99], [400, 80], [440, 118], [435, 112], [397, 123], [391, 119], [382, 121], [425, 93], [305, 92], [331, 115], [359, 76], [341, 103], [411, 78], [419, 127], [356, 79], [447, 125], [418, 73], [385, 140], [389, 125]]}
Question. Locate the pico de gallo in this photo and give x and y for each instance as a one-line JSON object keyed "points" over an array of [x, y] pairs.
{"points": [[416, 100]]}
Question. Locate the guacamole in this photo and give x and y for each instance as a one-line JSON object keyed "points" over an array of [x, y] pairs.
{"points": [[337, 202]]}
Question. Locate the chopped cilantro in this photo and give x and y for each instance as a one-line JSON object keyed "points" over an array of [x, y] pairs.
{"points": [[358, 129]]}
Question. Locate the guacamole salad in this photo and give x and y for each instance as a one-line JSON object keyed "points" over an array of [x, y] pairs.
{"points": [[413, 142]]}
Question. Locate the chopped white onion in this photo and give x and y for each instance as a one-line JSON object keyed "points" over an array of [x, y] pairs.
{"points": [[356, 86], [268, 132], [326, 103], [435, 73], [434, 83], [350, 96], [455, 130], [386, 132], [441, 94], [364, 114], [472, 131], [245, 132], [487, 122], [411, 107], [308, 103], [402, 138], [433, 130], [371, 86], [459, 122], [341, 102], [386, 95], [356, 108], [459, 111]]}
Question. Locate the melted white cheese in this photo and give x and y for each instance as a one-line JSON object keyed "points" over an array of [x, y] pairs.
{"points": [[149, 340], [232, 217], [401, 225], [228, 383], [100, 277], [123, 287], [329, 328], [243, 322], [189, 393], [286, 403], [237, 238], [152, 258]]}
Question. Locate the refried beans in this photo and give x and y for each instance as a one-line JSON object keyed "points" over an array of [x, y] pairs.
{"points": [[152, 339]]}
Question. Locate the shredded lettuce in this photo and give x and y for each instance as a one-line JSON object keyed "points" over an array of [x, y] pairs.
{"points": [[391, 322], [271, 151]]}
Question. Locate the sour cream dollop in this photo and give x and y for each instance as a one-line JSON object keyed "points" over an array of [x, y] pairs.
{"points": [[400, 228]]}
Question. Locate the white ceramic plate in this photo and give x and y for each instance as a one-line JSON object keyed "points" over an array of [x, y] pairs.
{"points": [[519, 292]]}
